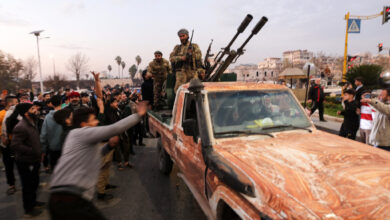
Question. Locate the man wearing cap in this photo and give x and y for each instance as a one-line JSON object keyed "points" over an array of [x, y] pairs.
{"points": [[26, 145], [186, 58], [74, 100], [159, 68]]}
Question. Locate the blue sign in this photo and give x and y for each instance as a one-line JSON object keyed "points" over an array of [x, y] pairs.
{"points": [[354, 26]]}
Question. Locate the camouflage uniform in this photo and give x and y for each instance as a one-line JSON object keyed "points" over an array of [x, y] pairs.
{"points": [[159, 70], [185, 71]]}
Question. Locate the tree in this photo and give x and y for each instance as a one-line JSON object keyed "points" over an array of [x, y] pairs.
{"points": [[56, 82], [10, 69], [132, 71], [118, 60], [138, 60], [109, 69], [383, 61], [369, 72], [77, 64], [30, 67], [123, 64]]}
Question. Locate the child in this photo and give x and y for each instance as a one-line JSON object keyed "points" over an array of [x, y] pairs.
{"points": [[351, 118]]}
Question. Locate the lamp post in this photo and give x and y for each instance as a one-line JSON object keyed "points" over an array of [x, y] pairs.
{"points": [[309, 68], [37, 33]]}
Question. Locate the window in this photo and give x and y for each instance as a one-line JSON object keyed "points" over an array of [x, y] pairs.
{"points": [[257, 74], [189, 110], [265, 73]]}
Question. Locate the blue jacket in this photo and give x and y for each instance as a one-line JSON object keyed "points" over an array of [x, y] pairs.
{"points": [[51, 134]]}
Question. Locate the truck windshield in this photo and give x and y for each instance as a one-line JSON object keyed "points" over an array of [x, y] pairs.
{"points": [[255, 112]]}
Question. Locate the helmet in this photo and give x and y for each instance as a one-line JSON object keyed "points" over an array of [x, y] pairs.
{"points": [[182, 31]]}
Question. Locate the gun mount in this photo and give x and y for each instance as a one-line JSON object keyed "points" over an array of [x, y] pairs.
{"points": [[215, 72]]}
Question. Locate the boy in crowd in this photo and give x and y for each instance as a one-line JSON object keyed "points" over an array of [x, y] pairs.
{"points": [[351, 118]]}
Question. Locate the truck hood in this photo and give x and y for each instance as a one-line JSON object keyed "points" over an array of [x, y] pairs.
{"points": [[320, 174]]}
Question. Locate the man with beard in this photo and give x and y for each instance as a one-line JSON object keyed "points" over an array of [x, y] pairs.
{"points": [[74, 100], [25, 142], [186, 58], [159, 68]]}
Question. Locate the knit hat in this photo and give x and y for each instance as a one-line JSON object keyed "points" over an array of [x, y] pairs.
{"points": [[74, 94], [22, 108]]}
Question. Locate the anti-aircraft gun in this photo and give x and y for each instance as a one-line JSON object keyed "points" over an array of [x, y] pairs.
{"points": [[214, 72]]}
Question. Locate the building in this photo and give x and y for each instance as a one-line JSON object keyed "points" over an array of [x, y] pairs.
{"points": [[297, 58], [270, 68]]}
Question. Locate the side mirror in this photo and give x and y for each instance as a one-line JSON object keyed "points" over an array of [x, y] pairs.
{"points": [[189, 127]]}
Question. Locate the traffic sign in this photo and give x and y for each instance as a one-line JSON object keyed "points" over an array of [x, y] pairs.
{"points": [[354, 26]]}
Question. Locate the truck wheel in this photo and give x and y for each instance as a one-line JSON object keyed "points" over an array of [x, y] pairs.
{"points": [[164, 160]]}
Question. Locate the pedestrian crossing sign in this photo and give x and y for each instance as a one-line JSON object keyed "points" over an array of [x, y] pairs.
{"points": [[354, 26]]}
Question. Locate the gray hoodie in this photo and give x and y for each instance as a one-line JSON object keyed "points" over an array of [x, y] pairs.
{"points": [[51, 133], [78, 167]]}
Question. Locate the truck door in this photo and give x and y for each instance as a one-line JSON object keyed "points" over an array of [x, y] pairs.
{"points": [[189, 149]]}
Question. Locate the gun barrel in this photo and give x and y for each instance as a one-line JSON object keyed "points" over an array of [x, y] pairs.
{"points": [[255, 30], [259, 25], [245, 23]]}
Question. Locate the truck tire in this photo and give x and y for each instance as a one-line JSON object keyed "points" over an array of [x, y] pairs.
{"points": [[165, 163]]}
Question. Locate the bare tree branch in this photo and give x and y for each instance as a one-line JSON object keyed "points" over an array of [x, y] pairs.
{"points": [[78, 64]]}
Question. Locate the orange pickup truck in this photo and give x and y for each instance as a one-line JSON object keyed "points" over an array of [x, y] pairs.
{"points": [[249, 151]]}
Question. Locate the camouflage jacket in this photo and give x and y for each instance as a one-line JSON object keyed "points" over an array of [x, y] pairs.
{"points": [[180, 50], [159, 70]]}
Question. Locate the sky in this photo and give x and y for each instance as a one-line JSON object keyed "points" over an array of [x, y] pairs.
{"points": [[104, 29]]}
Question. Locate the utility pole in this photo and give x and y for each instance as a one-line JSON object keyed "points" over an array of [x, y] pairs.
{"points": [[345, 48]]}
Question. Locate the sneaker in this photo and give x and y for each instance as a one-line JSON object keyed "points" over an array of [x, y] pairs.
{"points": [[11, 190], [109, 186], [32, 213], [40, 204], [104, 197]]}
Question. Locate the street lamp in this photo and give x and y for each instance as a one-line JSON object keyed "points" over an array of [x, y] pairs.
{"points": [[309, 68], [37, 33]]}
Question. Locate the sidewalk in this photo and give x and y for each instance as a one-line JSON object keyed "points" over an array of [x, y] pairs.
{"points": [[332, 124]]}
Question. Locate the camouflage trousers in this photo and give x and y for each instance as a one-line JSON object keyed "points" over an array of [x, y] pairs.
{"points": [[184, 76], [157, 90]]}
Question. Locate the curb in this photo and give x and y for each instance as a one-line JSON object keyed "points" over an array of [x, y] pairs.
{"points": [[329, 118]]}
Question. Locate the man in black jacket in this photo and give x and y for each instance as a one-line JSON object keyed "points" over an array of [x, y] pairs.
{"points": [[27, 148], [317, 97], [147, 87], [351, 118], [360, 90]]}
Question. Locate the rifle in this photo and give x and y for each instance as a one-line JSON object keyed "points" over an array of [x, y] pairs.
{"points": [[189, 56], [206, 57], [233, 55]]}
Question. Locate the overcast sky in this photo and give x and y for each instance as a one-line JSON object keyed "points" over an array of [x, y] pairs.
{"points": [[103, 29]]}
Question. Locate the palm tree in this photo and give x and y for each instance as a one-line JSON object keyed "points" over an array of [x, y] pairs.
{"points": [[123, 64], [109, 69], [132, 71], [138, 60], [118, 60]]}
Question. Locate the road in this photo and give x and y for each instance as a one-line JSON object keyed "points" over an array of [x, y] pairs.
{"points": [[143, 193]]}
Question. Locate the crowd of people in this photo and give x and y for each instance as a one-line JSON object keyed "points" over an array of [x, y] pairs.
{"points": [[361, 111], [76, 137]]}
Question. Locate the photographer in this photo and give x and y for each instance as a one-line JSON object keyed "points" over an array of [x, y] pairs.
{"points": [[380, 133]]}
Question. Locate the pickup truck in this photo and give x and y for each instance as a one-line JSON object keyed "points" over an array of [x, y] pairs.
{"points": [[249, 151]]}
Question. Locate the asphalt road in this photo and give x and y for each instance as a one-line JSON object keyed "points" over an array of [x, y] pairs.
{"points": [[143, 193]]}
